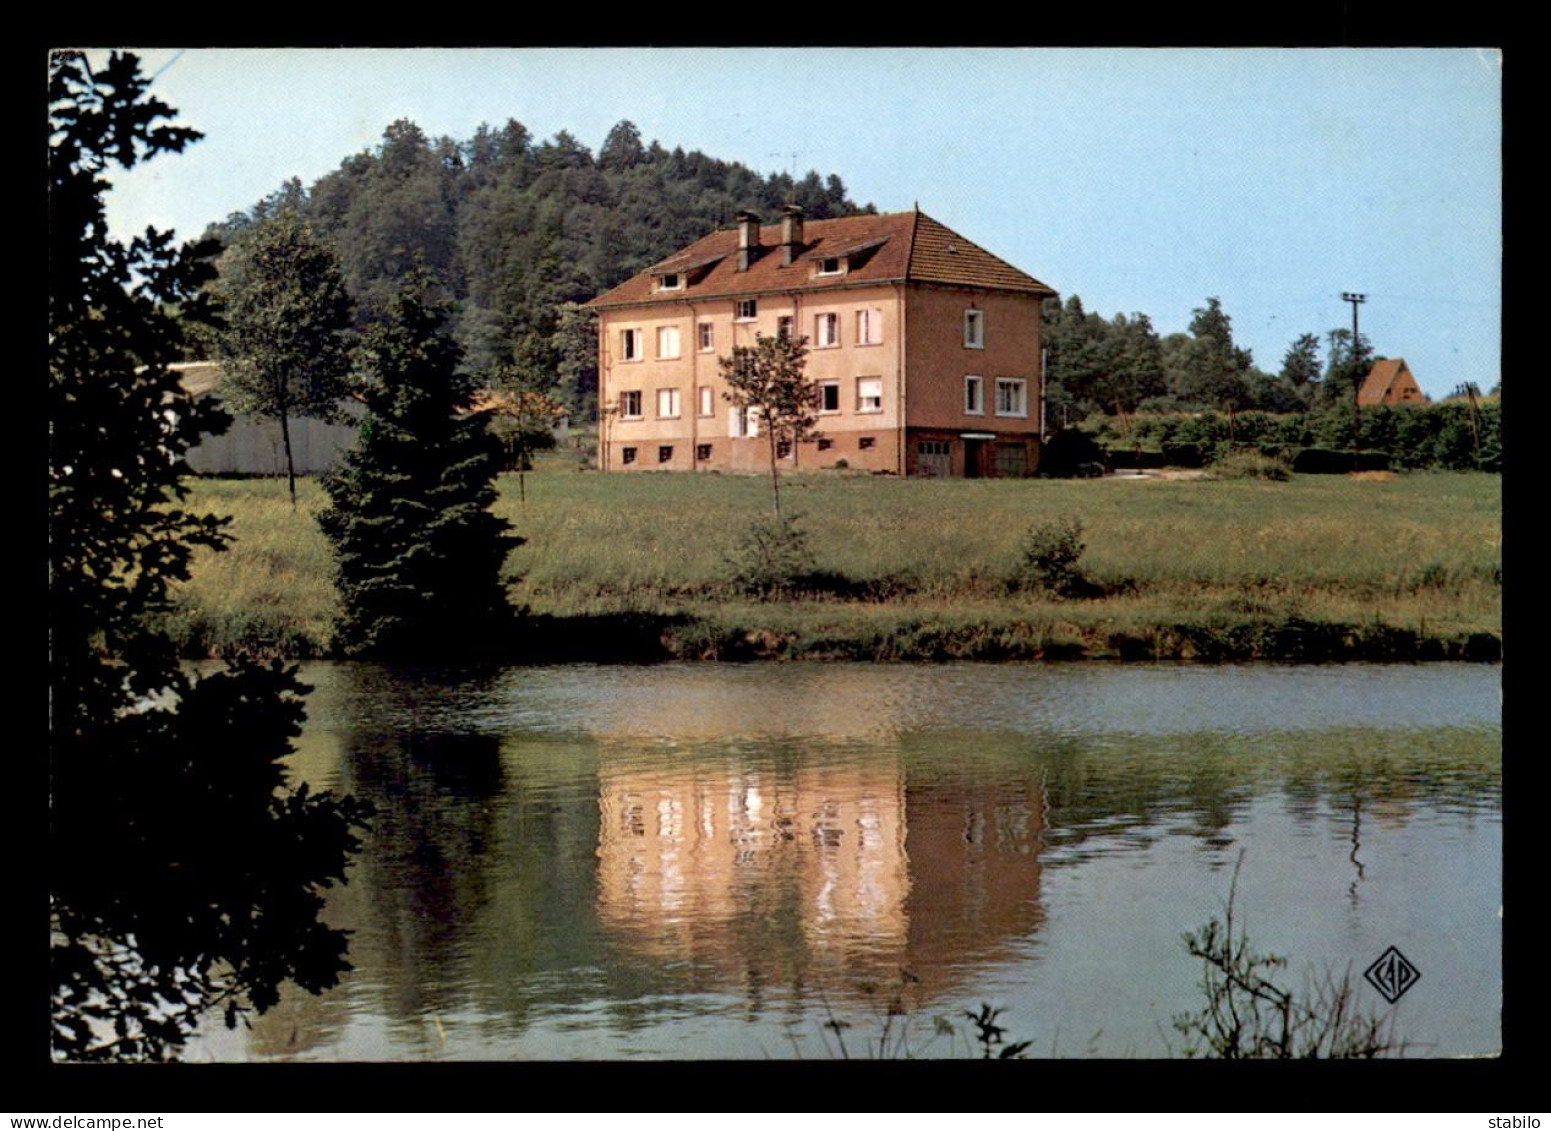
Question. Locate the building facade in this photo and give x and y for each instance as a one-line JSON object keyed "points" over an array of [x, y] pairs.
{"points": [[924, 350]]}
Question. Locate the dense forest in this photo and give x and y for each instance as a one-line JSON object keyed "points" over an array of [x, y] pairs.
{"points": [[517, 232]]}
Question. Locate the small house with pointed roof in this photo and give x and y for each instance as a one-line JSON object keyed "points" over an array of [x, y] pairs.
{"points": [[924, 349], [1390, 382]]}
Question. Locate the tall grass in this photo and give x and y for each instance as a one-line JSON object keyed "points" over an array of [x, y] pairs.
{"points": [[1420, 552]]}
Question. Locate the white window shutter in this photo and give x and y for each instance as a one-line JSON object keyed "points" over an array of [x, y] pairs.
{"points": [[732, 422], [753, 420]]}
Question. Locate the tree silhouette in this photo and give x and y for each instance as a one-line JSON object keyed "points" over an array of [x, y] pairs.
{"points": [[184, 875]]}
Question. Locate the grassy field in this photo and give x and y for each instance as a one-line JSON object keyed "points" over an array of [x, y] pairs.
{"points": [[1318, 567]]}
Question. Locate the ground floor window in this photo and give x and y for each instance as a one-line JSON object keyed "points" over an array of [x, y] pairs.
{"points": [[702, 451], [783, 449], [825, 445], [665, 453], [867, 442], [934, 457], [627, 455], [1012, 460]]}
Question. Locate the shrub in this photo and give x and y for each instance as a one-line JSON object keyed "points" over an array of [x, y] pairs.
{"points": [[1253, 465], [1072, 454], [1048, 559], [1248, 1015], [771, 557]]}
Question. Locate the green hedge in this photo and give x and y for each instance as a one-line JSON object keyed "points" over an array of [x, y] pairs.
{"points": [[1440, 436]]}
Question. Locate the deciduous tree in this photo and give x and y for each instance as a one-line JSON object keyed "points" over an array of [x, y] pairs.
{"points": [[770, 378], [287, 342]]}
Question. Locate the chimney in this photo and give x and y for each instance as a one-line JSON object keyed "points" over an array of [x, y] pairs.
{"points": [[748, 239], [791, 233]]}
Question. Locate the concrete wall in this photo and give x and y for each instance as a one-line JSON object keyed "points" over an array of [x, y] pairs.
{"points": [[252, 447]]}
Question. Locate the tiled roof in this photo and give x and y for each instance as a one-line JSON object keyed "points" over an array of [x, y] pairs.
{"points": [[903, 246], [1379, 379]]}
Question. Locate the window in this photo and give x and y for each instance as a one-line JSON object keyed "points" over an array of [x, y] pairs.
{"points": [[825, 444], [702, 451], [974, 397], [826, 330], [869, 394], [784, 326], [783, 449], [1012, 461], [1012, 396], [829, 396], [628, 455], [869, 327], [665, 453], [630, 345], [672, 282], [667, 403], [667, 341], [867, 442], [742, 421], [975, 329], [748, 309], [934, 457], [707, 337], [707, 405], [630, 405], [830, 267]]}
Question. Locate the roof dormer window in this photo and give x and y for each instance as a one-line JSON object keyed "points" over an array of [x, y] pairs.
{"points": [[671, 282], [831, 266]]}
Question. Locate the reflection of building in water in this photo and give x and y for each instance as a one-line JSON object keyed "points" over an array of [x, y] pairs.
{"points": [[820, 874], [687, 855]]}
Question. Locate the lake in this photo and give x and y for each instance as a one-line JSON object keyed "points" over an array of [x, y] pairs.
{"points": [[723, 861]]}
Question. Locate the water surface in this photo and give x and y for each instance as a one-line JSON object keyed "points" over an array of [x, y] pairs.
{"points": [[717, 860]]}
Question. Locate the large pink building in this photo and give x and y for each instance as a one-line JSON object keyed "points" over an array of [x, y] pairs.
{"points": [[924, 349]]}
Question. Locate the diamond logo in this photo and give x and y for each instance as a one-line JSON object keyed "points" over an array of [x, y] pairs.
{"points": [[1392, 975]]}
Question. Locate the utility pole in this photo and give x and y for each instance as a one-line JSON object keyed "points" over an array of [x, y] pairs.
{"points": [[1357, 382]]}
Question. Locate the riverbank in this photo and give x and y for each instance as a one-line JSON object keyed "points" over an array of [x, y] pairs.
{"points": [[643, 567]]}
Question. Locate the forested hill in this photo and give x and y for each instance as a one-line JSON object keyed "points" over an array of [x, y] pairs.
{"points": [[517, 229]]}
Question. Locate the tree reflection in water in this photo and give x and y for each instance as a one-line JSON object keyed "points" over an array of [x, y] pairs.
{"points": [[186, 878]]}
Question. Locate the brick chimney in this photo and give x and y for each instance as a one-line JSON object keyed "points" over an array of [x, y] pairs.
{"points": [[791, 233], [748, 239]]}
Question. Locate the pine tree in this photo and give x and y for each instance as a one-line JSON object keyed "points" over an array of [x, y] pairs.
{"points": [[418, 552], [183, 874]]}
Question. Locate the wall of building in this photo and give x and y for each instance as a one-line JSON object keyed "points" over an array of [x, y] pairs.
{"points": [[938, 363], [698, 441]]}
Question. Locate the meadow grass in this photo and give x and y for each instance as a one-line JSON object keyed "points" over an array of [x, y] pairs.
{"points": [[1420, 552]]}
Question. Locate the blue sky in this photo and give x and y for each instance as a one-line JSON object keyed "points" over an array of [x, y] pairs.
{"points": [[1141, 180]]}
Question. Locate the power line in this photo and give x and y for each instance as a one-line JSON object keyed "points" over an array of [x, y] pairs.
{"points": [[168, 64]]}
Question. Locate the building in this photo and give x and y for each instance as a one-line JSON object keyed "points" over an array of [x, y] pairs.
{"points": [[1390, 382], [924, 347], [254, 445]]}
